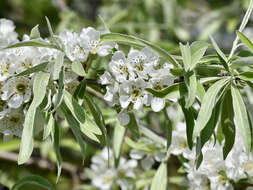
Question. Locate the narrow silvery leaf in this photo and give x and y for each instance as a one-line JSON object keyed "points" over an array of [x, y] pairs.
{"points": [[241, 117], [227, 123], [245, 40], [49, 126], [58, 65], [37, 68], [39, 92], [188, 115], [152, 135], [198, 50], [118, 137], [33, 179], [77, 67], [56, 143], [160, 179], [60, 93], [207, 105], [35, 33], [33, 43], [90, 126], [164, 92], [90, 135], [219, 52], [74, 126], [132, 40], [191, 82], [98, 117], [72, 104], [49, 27], [186, 54], [80, 90]]}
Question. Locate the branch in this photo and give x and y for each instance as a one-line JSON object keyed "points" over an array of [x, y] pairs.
{"points": [[43, 164]]}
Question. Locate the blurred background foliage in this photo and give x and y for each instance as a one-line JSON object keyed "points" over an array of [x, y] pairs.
{"points": [[164, 22]]}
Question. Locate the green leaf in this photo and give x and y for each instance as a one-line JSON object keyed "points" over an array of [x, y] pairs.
{"points": [[242, 62], [77, 67], [33, 43], [37, 68], [60, 92], [188, 115], [219, 52], [80, 90], [207, 106], [35, 33], [160, 179], [49, 27], [246, 76], [198, 50], [90, 126], [164, 92], [191, 83], [227, 123], [200, 90], [74, 126], [118, 138], [137, 145], [49, 126], [151, 135], [33, 179], [132, 40], [76, 110], [186, 54], [133, 126], [56, 143], [97, 115], [245, 40], [240, 117], [58, 65], [209, 129], [39, 92]]}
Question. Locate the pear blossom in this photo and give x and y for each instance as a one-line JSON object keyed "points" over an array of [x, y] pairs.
{"points": [[105, 176], [7, 33], [90, 41], [16, 91], [12, 123]]}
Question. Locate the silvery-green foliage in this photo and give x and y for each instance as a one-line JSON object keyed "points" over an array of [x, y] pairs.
{"points": [[45, 82]]}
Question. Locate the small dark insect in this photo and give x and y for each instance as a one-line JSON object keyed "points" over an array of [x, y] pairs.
{"points": [[3, 187]]}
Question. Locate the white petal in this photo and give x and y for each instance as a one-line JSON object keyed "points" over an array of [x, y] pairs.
{"points": [[15, 101], [157, 104], [136, 154], [123, 118], [147, 163], [124, 101]]}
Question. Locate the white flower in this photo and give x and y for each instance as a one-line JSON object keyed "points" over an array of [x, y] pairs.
{"points": [[133, 92], [7, 33], [106, 176], [141, 62], [7, 65], [118, 66], [16, 91], [148, 159], [71, 45], [12, 123], [90, 41], [123, 117]]}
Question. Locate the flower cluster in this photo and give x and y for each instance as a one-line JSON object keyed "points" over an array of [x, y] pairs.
{"points": [[105, 177], [130, 75], [16, 88], [214, 172]]}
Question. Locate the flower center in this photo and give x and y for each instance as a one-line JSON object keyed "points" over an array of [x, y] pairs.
{"points": [[136, 93], [21, 88]]}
